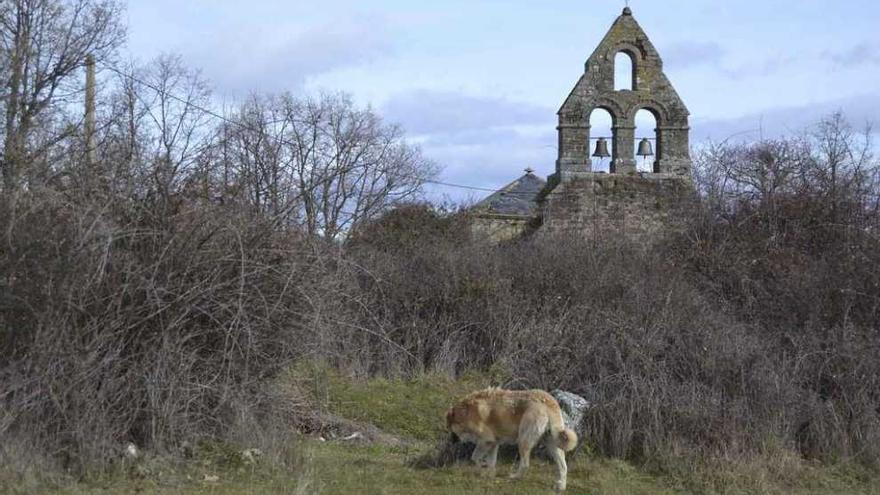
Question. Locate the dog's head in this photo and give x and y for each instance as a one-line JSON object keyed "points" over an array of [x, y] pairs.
{"points": [[457, 422], [450, 417]]}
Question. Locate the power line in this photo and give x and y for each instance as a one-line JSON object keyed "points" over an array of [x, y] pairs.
{"points": [[527, 195], [241, 125], [522, 194], [176, 98], [245, 127]]}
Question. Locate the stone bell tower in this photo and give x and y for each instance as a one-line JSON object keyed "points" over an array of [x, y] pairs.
{"points": [[625, 199]]}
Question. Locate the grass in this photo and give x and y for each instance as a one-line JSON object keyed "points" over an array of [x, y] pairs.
{"points": [[337, 468], [414, 409], [340, 469]]}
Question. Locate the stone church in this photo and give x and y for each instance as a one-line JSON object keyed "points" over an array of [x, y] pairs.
{"points": [[624, 200]]}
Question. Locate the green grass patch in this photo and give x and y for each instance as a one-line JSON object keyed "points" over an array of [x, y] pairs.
{"points": [[346, 469], [412, 408], [337, 468], [172, 479]]}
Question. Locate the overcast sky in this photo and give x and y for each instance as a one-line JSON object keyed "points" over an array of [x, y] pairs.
{"points": [[478, 82]]}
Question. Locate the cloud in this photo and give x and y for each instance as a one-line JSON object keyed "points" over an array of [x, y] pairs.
{"points": [[493, 157], [776, 122], [436, 112], [487, 142], [479, 141], [687, 55], [859, 55], [864, 53], [248, 61], [762, 67], [474, 152], [491, 163], [690, 55], [471, 137]]}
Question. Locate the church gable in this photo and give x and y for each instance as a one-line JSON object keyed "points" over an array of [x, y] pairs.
{"points": [[585, 202], [650, 90]]}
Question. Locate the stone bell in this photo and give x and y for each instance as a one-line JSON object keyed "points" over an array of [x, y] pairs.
{"points": [[602, 148], [645, 148]]}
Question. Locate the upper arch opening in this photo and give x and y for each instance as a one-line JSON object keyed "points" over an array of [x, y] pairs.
{"points": [[624, 71]]}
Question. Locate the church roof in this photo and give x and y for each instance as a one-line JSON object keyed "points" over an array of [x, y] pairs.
{"points": [[519, 198]]}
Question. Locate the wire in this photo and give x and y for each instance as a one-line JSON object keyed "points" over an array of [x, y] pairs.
{"points": [[252, 129], [523, 194]]}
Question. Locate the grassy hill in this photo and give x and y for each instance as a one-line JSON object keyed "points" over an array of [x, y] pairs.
{"points": [[411, 411]]}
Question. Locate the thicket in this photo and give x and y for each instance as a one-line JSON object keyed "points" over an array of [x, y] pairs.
{"points": [[751, 327], [153, 288], [721, 341]]}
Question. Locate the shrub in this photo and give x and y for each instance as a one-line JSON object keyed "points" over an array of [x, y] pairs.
{"points": [[117, 325]]}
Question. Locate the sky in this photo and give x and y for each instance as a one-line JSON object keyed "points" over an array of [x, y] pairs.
{"points": [[477, 83]]}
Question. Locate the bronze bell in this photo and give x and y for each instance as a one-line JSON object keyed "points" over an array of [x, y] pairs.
{"points": [[602, 148], [645, 148]]}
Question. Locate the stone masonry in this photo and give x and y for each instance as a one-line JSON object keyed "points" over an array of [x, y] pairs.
{"points": [[652, 91], [511, 212], [638, 207], [634, 203], [626, 201]]}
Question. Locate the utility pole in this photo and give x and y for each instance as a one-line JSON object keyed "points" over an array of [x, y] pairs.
{"points": [[90, 110]]}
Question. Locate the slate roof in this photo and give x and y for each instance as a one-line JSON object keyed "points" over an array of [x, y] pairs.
{"points": [[517, 198]]}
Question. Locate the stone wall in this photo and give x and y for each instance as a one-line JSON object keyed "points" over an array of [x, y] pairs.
{"points": [[500, 228], [627, 202], [595, 205], [637, 205], [652, 91]]}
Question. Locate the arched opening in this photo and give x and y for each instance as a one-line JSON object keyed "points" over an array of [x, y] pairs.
{"points": [[624, 72], [601, 123], [646, 128]]}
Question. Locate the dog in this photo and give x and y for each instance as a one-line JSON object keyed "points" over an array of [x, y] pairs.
{"points": [[495, 416]]}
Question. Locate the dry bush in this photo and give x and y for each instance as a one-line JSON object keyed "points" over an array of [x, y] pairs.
{"points": [[718, 341], [152, 291], [120, 325], [131, 312]]}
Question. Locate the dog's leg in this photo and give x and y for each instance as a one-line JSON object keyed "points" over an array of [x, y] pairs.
{"points": [[485, 455], [531, 429], [558, 456], [479, 453], [492, 459]]}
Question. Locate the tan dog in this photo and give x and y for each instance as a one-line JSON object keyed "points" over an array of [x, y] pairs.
{"points": [[494, 416]]}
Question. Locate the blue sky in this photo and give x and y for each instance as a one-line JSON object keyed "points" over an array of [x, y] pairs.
{"points": [[478, 83]]}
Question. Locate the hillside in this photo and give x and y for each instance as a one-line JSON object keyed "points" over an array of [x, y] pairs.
{"points": [[412, 410]]}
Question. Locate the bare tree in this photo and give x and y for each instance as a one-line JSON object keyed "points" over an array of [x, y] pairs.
{"points": [[349, 164], [124, 133], [829, 159], [842, 168], [262, 160], [44, 43], [322, 162], [173, 100], [712, 165]]}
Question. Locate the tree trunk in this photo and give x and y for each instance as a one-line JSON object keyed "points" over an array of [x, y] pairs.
{"points": [[13, 153]]}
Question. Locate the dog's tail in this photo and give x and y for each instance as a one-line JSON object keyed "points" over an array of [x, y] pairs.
{"points": [[566, 439]]}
